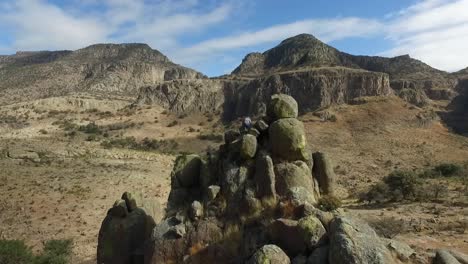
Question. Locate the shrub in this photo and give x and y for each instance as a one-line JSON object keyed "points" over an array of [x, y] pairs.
{"points": [[329, 203], [43, 131], [55, 252], [15, 251], [377, 193], [448, 169], [90, 128], [402, 183]]}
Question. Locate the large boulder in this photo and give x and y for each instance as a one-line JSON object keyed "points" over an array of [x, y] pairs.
{"points": [[248, 146], [313, 232], [186, 171], [354, 242], [444, 257], [282, 106], [324, 173], [122, 238], [293, 175], [269, 254], [288, 140], [265, 177]]}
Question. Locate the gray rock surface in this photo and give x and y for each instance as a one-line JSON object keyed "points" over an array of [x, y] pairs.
{"points": [[323, 171], [444, 257], [282, 106], [287, 140], [353, 241], [271, 254]]}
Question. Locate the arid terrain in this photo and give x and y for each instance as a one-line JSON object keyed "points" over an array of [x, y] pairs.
{"points": [[79, 128], [59, 186]]}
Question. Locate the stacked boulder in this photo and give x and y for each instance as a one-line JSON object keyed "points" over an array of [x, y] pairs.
{"points": [[255, 201]]}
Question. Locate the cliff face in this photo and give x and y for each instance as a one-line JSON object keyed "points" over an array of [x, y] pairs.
{"points": [[102, 68], [312, 89]]}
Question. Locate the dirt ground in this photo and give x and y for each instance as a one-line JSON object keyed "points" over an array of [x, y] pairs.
{"points": [[57, 187]]}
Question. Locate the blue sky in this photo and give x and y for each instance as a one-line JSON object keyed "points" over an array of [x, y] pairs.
{"points": [[213, 36]]}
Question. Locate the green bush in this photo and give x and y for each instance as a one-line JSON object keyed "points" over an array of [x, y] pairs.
{"points": [[448, 169], [378, 193], [15, 251], [329, 203], [402, 183], [91, 128]]}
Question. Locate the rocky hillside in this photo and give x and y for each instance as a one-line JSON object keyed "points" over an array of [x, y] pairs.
{"points": [[307, 51], [102, 68]]}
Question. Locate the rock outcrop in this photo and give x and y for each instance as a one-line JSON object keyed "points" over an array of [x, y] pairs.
{"points": [[250, 203]]}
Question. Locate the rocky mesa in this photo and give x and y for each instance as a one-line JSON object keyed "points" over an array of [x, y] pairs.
{"points": [[118, 69]]}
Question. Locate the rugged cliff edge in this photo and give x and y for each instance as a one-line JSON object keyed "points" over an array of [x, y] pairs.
{"points": [[313, 89], [102, 68]]}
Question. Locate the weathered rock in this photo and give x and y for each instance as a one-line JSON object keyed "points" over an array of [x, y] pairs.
{"points": [[119, 209], [287, 139], [325, 217], [254, 132], [121, 240], [289, 175], [261, 126], [265, 177], [324, 173], [354, 242], [462, 258], [231, 135], [401, 250], [414, 96], [129, 201], [271, 254], [213, 191], [319, 256], [444, 257], [248, 146], [313, 232], [300, 196], [286, 234], [282, 106], [186, 171], [301, 259], [196, 210], [177, 231]]}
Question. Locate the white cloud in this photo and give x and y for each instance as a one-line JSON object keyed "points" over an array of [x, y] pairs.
{"points": [[325, 29], [38, 24], [433, 31]]}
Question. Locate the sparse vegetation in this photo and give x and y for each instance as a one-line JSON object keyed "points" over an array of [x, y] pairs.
{"points": [[164, 146], [16, 251], [329, 203]]}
